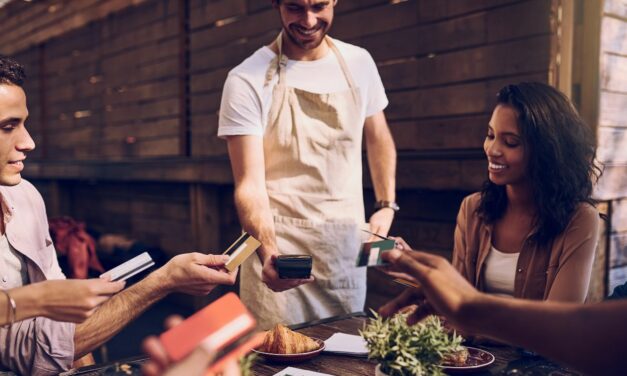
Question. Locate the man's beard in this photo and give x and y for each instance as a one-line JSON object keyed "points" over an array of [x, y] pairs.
{"points": [[309, 45]]}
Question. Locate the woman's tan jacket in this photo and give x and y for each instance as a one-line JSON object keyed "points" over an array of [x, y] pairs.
{"points": [[559, 271]]}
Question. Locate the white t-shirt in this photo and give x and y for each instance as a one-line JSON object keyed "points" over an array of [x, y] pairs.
{"points": [[246, 101], [500, 272]]}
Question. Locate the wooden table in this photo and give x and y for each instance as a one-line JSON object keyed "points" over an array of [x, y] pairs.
{"points": [[509, 360], [326, 363]]}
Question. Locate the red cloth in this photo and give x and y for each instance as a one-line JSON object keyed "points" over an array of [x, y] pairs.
{"points": [[71, 240]]}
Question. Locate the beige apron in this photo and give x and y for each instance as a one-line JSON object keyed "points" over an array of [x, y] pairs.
{"points": [[312, 150]]}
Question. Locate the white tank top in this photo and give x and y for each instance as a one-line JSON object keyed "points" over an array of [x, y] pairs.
{"points": [[500, 272]]}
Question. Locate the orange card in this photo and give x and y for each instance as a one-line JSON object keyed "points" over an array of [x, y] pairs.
{"points": [[237, 352], [214, 327]]}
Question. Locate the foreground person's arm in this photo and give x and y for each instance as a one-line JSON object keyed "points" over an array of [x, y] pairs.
{"points": [[37, 345], [191, 273], [587, 337]]}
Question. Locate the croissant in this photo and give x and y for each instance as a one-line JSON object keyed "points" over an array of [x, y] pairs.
{"points": [[281, 340]]}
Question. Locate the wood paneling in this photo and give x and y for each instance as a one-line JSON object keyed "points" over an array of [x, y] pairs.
{"points": [[612, 144], [615, 7], [619, 215], [612, 109], [30, 24], [598, 287], [618, 243], [116, 92], [617, 277], [613, 183], [612, 131]]}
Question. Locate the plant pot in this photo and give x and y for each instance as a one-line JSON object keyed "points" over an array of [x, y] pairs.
{"points": [[378, 372]]}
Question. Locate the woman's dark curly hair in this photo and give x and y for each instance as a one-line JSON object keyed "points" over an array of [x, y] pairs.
{"points": [[561, 165]]}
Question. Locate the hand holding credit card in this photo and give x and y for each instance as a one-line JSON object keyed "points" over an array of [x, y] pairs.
{"points": [[370, 252]]}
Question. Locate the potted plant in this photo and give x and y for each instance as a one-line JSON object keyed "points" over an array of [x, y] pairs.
{"points": [[408, 350], [246, 364]]}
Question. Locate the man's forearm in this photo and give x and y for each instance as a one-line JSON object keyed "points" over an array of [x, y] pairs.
{"points": [[253, 208], [590, 338], [383, 171], [116, 313], [382, 163]]}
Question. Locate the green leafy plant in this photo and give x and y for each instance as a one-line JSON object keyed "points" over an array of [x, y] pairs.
{"points": [[246, 364], [409, 350]]}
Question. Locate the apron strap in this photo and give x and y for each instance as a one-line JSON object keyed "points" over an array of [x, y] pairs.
{"points": [[278, 63]]}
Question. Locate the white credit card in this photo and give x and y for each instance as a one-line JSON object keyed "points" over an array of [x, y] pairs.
{"points": [[131, 267]]}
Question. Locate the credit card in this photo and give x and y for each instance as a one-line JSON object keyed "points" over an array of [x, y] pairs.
{"points": [[407, 283], [130, 268], [370, 253], [240, 250], [215, 328]]}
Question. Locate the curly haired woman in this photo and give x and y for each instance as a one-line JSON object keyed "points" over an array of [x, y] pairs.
{"points": [[532, 230]]}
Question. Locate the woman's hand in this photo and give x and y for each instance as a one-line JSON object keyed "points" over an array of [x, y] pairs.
{"points": [[445, 290]]}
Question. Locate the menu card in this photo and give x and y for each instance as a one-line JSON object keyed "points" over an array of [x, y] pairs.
{"points": [[346, 344], [292, 371]]}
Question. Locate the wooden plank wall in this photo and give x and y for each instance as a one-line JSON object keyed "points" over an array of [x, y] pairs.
{"points": [[116, 91], [145, 82], [612, 132], [31, 23]]}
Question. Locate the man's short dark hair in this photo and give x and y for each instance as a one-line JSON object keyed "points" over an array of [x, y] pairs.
{"points": [[11, 72]]}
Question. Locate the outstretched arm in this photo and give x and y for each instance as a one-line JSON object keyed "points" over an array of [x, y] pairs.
{"points": [[191, 273], [588, 337]]}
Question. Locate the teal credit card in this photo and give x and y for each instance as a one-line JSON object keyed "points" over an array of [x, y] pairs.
{"points": [[370, 253]]}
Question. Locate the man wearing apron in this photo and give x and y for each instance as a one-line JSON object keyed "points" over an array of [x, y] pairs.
{"points": [[293, 114]]}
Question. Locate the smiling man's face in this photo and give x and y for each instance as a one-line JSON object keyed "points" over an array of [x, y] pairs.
{"points": [[15, 141], [306, 22]]}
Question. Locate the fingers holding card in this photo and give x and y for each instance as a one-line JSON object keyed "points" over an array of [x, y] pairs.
{"points": [[370, 253], [240, 250]]}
